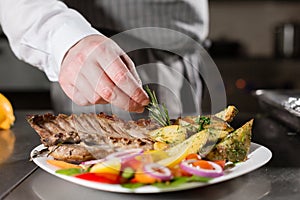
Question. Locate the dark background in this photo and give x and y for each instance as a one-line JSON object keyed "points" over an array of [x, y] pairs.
{"points": [[242, 43]]}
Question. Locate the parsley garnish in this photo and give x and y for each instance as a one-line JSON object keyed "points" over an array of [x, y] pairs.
{"points": [[202, 121]]}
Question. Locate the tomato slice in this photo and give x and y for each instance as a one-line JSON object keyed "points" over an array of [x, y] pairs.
{"points": [[221, 163], [193, 156], [100, 177], [203, 164]]}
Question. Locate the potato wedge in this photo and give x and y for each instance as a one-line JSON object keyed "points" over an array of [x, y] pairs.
{"points": [[194, 124], [227, 114], [170, 135], [235, 147]]}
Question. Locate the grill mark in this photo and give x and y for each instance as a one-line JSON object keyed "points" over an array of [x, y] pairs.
{"points": [[85, 124], [117, 129], [76, 124], [93, 120], [64, 124], [107, 130]]}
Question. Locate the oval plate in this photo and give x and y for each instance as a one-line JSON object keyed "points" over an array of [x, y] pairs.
{"points": [[258, 156]]}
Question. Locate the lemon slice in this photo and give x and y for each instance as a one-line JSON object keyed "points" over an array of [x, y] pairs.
{"points": [[157, 155], [112, 166], [7, 117], [191, 145]]}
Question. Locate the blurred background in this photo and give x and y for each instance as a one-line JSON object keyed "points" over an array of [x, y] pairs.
{"points": [[254, 43]]}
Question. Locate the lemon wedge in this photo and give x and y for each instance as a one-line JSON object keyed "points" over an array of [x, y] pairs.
{"points": [[191, 145], [157, 155], [7, 117], [112, 166]]}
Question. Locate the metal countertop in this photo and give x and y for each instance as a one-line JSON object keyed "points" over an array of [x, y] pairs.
{"points": [[278, 179]]}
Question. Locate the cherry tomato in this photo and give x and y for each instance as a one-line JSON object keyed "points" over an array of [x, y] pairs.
{"points": [[203, 164], [132, 163], [178, 172], [193, 156]]}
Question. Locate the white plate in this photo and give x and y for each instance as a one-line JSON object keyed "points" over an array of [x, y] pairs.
{"points": [[258, 156]]}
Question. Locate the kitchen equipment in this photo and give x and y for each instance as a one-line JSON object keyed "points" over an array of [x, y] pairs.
{"points": [[283, 105], [287, 40]]}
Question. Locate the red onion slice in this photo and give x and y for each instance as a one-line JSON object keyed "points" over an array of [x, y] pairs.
{"points": [[187, 165], [126, 154], [158, 171], [92, 162]]}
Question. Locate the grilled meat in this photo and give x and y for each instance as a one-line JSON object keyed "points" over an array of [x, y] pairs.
{"points": [[82, 137]]}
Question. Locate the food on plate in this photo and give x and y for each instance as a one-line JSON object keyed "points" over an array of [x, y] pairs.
{"points": [[167, 136], [7, 117], [156, 151], [83, 137], [228, 113], [234, 147], [191, 145]]}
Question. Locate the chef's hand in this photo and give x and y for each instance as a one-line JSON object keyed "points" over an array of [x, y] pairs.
{"points": [[97, 71]]}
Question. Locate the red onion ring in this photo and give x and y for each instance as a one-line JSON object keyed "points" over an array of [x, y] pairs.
{"points": [[187, 165], [126, 154], [158, 171], [92, 162]]}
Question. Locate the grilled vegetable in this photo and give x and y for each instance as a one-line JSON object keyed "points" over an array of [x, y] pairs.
{"points": [[234, 147], [196, 124], [168, 136], [228, 113]]}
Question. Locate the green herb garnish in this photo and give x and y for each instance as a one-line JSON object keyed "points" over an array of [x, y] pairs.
{"points": [[70, 171], [132, 185], [177, 181], [202, 121], [157, 112]]}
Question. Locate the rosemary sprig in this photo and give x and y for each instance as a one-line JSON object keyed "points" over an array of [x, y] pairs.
{"points": [[157, 112]]}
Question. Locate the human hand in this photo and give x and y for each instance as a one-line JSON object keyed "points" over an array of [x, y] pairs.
{"points": [[97, 71]]}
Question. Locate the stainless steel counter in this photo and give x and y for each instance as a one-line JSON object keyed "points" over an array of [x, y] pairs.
{"points": [[279, 179]]}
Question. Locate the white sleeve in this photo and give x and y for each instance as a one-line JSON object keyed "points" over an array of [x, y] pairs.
{"points": [[40, 32]]}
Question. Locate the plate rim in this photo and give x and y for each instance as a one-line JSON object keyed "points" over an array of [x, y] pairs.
{"points": [[237, 171]]}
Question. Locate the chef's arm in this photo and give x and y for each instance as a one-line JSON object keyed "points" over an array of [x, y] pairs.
{"points": [[90, 67], [41, 32]]}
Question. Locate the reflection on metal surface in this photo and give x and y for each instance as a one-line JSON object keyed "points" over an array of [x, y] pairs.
{"points": [[253, 186], [7, 143]]}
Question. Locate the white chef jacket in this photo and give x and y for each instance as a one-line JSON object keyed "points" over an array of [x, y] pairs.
{"points": [[40, 32]]}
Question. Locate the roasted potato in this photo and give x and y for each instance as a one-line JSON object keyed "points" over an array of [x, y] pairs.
{"points": [[227, 114], [235, 146], [168, 136]]}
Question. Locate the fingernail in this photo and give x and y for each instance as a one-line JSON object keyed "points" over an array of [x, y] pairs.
{"points": [[140, 110], [145, 102]]}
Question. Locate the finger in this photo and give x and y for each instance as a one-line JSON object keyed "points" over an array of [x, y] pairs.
{"points": [[71, 75], [86, 90], [80, 99], [74, 95], [118, 72], [108, 90], [122, 78], [131, 66]]}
